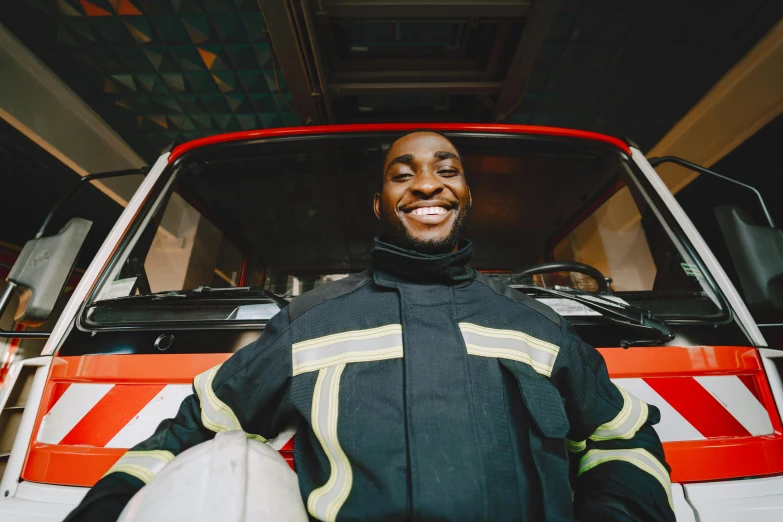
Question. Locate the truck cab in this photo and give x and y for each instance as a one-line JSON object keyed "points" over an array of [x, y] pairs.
{"points": [[224, 231]]}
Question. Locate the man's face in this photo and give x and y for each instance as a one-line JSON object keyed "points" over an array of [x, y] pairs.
{"points": [[424, 203]]}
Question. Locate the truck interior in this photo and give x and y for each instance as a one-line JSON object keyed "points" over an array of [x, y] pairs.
{"points": [[280, 217]]}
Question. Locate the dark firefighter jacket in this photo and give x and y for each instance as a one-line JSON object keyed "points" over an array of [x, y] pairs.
{"points": [[424, 391]]}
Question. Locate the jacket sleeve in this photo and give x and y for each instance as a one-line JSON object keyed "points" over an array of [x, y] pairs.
{"points": [[249, 392], [617, 460]]}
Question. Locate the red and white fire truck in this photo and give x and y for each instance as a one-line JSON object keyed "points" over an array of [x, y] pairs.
{"points": [[224, 230]]}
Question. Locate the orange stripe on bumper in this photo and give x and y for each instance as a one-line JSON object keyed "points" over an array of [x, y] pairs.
{"points": [[69, 465], [720, 459]]}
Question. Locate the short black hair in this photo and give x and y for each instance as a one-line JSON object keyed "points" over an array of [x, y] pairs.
{"points": [[401, 136]]}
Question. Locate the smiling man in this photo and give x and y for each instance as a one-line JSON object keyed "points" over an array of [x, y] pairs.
{"points": [[423, 390]]}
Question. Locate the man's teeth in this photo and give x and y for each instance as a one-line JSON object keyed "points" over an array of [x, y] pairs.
{"points": [[423, 211]]}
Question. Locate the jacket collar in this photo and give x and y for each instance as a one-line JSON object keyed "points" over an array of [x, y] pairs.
{"points": [[392, 264]]}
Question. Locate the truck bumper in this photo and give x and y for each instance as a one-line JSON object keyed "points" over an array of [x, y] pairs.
{"points": [[756, 500], [34, 502], [750, 500]]}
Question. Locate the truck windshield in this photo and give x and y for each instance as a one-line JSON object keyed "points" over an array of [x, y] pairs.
{"points": [[285, 216]]}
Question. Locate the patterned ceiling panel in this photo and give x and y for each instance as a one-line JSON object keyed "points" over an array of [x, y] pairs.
{"points": [[160, 71]]}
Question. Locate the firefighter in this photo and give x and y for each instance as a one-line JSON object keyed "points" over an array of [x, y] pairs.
{"points": [[423, 389]]}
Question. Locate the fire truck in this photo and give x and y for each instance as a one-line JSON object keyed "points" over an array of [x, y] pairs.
{"points": [[225, 230]]}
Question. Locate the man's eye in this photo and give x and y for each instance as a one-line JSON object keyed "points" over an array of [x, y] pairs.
{"points": [[449, 172], [402, 176]]}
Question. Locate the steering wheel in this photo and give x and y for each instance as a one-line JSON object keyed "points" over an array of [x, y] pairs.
{"points": [[569, 266]]}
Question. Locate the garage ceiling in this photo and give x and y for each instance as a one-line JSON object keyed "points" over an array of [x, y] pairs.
{"points": [[160, 71]]}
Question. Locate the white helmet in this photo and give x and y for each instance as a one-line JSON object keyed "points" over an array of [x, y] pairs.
{"points": [[228, 479]]}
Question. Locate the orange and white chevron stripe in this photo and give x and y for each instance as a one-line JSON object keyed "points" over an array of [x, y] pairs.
{"points": [[718, 417], [115, 415], [122, 415]]}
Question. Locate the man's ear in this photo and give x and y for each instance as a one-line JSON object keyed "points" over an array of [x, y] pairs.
{"points": [[376, 205], [470, 197]]}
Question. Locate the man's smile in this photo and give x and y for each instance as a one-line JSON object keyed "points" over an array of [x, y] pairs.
{"points": [[429, 212]]}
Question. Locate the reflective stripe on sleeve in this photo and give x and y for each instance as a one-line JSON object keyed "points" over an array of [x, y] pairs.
{"points": [[373, 344], [325, 502], [640, 458], [509, 344], [216, 414], [631, 418], [575, 446], [143, 465]]}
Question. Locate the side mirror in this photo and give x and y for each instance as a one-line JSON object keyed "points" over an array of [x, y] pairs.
{"points": [[42, 269], [757, 253]]}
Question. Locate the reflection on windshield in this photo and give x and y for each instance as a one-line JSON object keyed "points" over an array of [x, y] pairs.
{"points": [[295, 286], [573, 280]]}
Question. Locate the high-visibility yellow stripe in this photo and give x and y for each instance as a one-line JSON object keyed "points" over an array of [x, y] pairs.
{"points": [[345, 489], [394, 352], [320, 433], [143, 464], [576, 446], [140, 472], [628, 421], [638, 457], [324, 503], [510, 334], [369, 333], [509, 344], [216, 415], [373, 344], [496, 353]]}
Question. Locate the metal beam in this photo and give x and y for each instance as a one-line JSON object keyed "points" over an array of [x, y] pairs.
{"points": [[408, 76], [408, 64], [534, 33], [408, 53], [489, 103], [747, 97], [495, 54], [285, 43], [465, 88], [739, 104], [318, 61], [391, 10], [400, 116], [38, 104]]}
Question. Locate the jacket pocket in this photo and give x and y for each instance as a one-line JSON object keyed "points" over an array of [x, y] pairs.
{"points": [[542, 399], [545, 407], [548, 430]]}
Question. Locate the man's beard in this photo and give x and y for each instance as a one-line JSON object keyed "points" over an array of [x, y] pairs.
{"points": [[394, 232]]}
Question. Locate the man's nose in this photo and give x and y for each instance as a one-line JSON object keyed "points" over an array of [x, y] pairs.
{"points": [[426, 184]]}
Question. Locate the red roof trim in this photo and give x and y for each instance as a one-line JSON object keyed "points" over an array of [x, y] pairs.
{"points": [[397, 127]]}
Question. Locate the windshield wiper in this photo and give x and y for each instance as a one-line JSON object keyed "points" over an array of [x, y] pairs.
{"points": [[279, 300], [615, 311], [208, 291]]}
